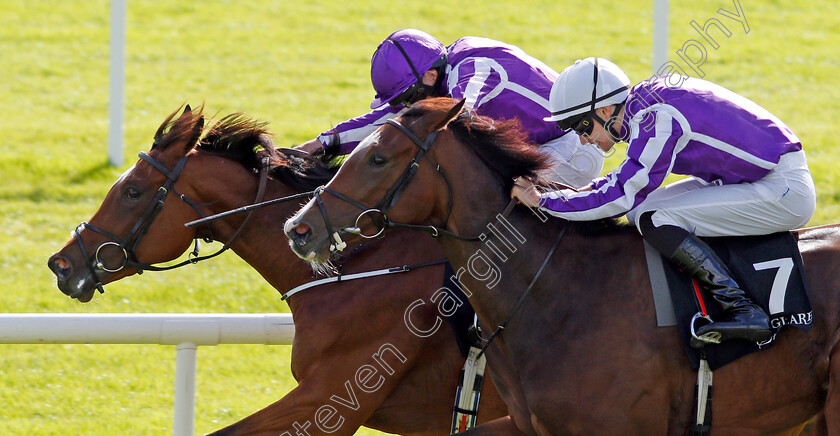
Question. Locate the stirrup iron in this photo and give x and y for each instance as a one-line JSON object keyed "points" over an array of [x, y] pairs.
{"points": [[705, 338]]}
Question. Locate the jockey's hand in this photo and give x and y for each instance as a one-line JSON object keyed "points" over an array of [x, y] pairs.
{"points": [[526, 192], [313, 147]]}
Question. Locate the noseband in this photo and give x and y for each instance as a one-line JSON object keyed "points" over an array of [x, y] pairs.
{"points": [[128, 244], [390, 198]]}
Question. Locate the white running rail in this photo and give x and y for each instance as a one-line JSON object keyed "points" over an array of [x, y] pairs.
{"points": [[185, 331]]}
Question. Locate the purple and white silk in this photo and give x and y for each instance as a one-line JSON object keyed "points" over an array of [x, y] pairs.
{"points": [[698, 129]]}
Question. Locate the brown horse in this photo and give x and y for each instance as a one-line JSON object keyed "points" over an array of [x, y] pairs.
{"points": [[582, 355], [353, 356]]}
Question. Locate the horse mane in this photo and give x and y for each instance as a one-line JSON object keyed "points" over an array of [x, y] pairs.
{"points": [[502, 145], [248, 141]]}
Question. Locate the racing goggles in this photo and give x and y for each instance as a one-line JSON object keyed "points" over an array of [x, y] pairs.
{"points": [[413, 94], [582, 124]]}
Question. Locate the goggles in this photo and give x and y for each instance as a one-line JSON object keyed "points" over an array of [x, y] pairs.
{"points": [[407, 97], [582, 124]]}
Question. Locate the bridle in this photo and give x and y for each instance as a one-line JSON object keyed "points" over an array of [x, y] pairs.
{"points": [[390, 198], [128, 244]]}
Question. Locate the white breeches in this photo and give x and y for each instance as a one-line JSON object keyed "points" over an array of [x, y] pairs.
{"points": [[572, 164], [783, 200]]}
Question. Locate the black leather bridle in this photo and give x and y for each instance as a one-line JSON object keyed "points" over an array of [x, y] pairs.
{"points": [[390, 198], [128, 244]]}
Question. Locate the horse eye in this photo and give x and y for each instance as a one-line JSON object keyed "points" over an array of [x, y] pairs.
{"points": [[132, 193], [377, 160]]}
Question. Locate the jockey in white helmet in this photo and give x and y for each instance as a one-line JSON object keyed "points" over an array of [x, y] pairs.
{"points": [[748, 173]]}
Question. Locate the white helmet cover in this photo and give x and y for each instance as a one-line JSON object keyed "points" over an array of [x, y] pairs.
{"points": [[585, 86]]}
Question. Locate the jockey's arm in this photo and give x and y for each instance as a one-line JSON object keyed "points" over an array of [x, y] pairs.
{"points": [[348, 134]]}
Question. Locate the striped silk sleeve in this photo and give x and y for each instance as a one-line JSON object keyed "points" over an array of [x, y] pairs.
{"points": [[650, 157], [351, 132]]}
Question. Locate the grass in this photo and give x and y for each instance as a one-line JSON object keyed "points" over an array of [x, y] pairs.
{"points": [[303, 66]]}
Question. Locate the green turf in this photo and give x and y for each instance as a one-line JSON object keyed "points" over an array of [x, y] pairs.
{"points": [[302, 66]]}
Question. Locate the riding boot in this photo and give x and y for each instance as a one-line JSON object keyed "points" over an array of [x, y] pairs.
{"points": [[743, 319]]}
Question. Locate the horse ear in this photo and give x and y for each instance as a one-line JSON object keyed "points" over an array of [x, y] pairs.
{"points": [[451, 115], [187, 109]]}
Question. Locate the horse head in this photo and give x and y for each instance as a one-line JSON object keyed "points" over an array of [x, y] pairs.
{"points": [[405, 173], [140, 222], [120, 233]]}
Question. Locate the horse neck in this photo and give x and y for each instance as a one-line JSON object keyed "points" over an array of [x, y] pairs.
{"points": [[499, 269], [478, 202], [477, 196], [261, 242]]}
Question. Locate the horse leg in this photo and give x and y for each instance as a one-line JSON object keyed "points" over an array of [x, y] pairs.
{"points": [[831, 411], [498, 427], [305, 410]]}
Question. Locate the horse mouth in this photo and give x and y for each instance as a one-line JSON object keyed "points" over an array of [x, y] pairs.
{"points": [[313, 253], [81, 289], [67, 280], [85, 296], [306, 244]]}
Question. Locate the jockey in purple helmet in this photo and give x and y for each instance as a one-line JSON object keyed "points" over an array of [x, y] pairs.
{"points": [[748, 173], [496, 79]]}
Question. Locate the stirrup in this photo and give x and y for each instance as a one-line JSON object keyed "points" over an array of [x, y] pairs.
{"points": [[705, 338]]}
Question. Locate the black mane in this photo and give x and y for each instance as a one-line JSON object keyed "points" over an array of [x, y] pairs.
{"points": [[249, 142], [504, 147], [501, 144]]}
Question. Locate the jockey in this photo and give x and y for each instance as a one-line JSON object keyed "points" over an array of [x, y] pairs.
{"points": [[749, 175], [496, 79]]}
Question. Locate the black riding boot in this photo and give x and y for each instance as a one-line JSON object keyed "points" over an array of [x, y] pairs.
{"points": [[743, 318]]}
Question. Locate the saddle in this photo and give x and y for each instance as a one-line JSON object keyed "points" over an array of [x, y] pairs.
{"points": [[769, 269]]}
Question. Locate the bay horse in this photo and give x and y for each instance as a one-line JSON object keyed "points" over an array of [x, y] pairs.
{"points": [[583, 354], [340, 328]]}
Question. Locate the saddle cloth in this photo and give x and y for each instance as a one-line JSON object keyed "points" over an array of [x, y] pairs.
{"points": [[769, 268]]}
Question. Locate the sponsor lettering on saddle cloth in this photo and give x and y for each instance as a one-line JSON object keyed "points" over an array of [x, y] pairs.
{"points": [[769, 269]]}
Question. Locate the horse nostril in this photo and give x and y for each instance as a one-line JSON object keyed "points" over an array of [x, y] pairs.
{"points": [[299, 233], [302, 229], [60, 266]]}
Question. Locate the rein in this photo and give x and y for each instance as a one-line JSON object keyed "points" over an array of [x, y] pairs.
{"points": [[391, 198], [129, 244], [521, 300], [247, 208]]}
